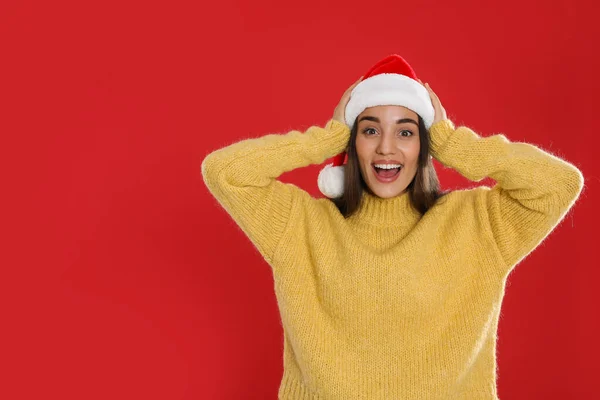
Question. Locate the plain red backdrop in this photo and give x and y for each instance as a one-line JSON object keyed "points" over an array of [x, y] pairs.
{"points": [[121, 276]]}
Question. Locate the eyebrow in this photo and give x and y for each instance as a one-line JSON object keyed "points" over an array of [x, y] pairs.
{"points": [[400, 121]]}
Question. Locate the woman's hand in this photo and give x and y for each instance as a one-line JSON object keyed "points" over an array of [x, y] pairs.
{"points": [[440, 111], [338, 113]]}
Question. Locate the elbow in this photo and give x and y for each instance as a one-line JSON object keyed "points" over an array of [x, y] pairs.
{"points": [[205, 167], [218, 174], [575, 182], [210, 170], [569, 188]]}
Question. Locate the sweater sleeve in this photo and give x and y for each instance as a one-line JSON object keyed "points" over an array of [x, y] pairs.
{"points": [[534, 189], [243, 178]]}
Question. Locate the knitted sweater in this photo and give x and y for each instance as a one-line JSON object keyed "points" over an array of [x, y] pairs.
{"points": [[389, 303]]}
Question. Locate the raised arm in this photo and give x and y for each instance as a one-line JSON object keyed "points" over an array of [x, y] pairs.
{"points": [[534, 189], [243, 178]]}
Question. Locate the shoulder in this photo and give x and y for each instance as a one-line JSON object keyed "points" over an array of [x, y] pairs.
{"points": [[304, 201], [462, 200], [311, 219], [462, 212]]}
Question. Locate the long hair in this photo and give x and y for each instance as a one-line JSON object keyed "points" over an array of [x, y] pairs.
{"points": [[424, 190]]}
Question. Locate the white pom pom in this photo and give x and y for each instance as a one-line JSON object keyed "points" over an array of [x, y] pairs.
{"points": [[331, 181]]}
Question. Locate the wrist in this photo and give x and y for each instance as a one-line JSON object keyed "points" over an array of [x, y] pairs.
{"points": [[439, 133], [336, 124]]}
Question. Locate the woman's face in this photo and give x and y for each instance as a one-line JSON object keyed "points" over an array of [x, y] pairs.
{"points": [[388, 135]]}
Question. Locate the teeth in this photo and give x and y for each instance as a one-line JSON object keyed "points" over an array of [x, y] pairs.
{"points": [[388, 166]]}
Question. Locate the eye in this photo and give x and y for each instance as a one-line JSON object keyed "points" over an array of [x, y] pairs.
{"points": [[406, 131], [369, 130]]}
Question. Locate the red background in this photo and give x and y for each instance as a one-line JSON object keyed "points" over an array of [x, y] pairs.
{"points": [[122, 277]]}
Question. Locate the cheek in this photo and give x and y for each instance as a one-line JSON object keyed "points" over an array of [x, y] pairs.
{"points": [[411, 152], [362, 150], [415, 150], [362, 164]]}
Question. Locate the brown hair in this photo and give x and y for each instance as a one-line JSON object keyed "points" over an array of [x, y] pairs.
{"points": [[424, 190]]}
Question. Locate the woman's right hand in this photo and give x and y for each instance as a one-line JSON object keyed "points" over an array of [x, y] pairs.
{"points": [[338, 113]]}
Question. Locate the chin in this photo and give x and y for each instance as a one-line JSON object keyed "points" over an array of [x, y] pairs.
{"points": [[387, 193]]}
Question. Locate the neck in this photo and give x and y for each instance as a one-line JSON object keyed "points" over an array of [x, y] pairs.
{"points": [[378, 211]]}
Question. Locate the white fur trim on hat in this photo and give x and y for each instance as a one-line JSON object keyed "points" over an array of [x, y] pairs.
{"points": [[331, 180], [390, 89]]}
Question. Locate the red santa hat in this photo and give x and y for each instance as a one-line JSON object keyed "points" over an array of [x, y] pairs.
{"points": [[391, 81]]}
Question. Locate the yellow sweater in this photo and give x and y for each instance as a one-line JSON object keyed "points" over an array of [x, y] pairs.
{"points": [[390, 304]]}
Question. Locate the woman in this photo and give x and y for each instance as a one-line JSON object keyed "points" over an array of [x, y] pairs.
{"points": [[390, 289]]}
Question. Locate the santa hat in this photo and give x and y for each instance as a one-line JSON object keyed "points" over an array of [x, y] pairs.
{"points": [[391, 81]]}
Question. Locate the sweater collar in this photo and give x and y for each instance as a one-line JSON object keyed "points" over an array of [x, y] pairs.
{"points": [[378, 211]]}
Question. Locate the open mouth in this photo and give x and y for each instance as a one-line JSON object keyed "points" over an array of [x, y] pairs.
{"points": [[387, 173]]}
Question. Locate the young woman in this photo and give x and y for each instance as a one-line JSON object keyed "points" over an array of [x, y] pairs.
{"points": [[389, 288]]}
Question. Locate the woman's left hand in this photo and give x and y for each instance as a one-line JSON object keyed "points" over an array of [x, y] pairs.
{"points": [[440, 111]]}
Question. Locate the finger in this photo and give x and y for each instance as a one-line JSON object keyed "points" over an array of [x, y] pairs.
{"points": [[432, 92], [348, 91], [435, 102], [355, 83]]}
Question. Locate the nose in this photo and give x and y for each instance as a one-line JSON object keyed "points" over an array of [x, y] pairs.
{"points": [[386, 144]]}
